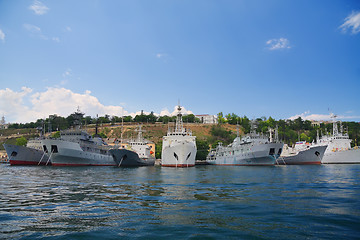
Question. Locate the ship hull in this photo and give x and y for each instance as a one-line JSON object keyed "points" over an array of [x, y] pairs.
{"points": [[310, 156], [70, 154], [351, 156], [126, 158], [20, 155], [259, 155], [179, 154]]}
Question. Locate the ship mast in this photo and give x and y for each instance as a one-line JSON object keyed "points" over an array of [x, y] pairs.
{"points": [[140, 131], [335, 128], [317, 136], [122, 130], [179, 122]]}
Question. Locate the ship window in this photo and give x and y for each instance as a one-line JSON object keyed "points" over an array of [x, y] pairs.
{"points": [[13, 154], [45, 148], [280, 150], [54, 149]]}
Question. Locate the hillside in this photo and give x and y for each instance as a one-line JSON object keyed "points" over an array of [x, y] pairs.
{"points": [[153, 131]]}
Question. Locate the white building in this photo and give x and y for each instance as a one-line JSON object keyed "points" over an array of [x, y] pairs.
{"points": [[207, 119], [3, 124]]}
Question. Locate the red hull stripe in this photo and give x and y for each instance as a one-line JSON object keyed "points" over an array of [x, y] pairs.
{"points": [[79, 165], [244, 164], [19, 162], [298, 163], [178, 165]]}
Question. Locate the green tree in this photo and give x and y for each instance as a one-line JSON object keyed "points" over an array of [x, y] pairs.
{"points": [[104, 119], [158, 150], [221, 134], [202, 149], [106, 130], [232, 118], [88, 120], [151, 118], [128, 118], [101, 135], [245, 123], [190, 118], [21, 141], [56, 134], [221, 118], [304, 137]]}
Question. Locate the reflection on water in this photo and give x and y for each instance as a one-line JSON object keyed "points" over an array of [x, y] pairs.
{"points": [[204, 201]]}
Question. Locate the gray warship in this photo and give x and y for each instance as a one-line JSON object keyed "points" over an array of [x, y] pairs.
{"points": [[134, 154], [31, 154], [302, 154], [253, 149]]}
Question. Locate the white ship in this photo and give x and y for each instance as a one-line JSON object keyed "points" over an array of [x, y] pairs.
{"points": [[302, 154], [339, 149], [77, 148], [179, 146], [250, 150]]}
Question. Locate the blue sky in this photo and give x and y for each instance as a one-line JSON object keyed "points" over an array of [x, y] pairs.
{"points": [[255, 58]]}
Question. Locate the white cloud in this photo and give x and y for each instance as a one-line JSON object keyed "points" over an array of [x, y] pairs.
{"points": [[165, 111], [67, 73], [68, 29], [32, 28], [352, 22], [275, 44], [2, 35], [12, 104], [63, 102], [161, 55], [28, 106], [35, 31], [321, 117], [139, 112], [63, 82], [39, 8], [56, 39], [25, 107]]}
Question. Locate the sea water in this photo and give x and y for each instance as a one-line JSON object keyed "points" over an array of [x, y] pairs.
{"points": [[202, 202]]}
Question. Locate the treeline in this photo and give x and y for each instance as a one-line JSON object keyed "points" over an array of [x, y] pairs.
{"points": [[55, 122], [290, 131]]}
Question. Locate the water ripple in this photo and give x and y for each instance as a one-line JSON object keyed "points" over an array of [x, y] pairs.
{"points": [[212, 202]]}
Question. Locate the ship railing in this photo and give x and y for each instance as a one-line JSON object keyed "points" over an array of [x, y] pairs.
{"points": [[210, 158]]}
